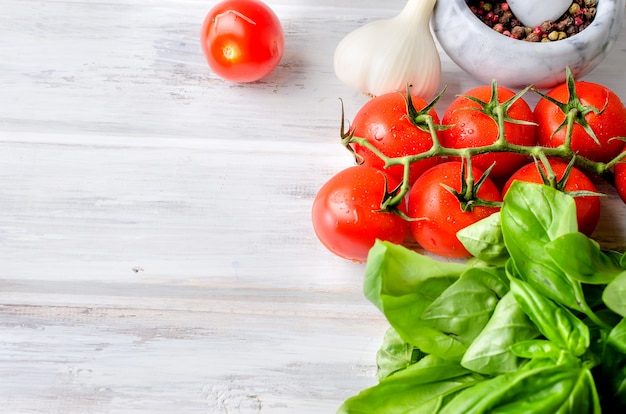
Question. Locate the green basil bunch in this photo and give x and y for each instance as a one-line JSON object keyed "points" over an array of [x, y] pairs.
{"points": [[534, 323]]}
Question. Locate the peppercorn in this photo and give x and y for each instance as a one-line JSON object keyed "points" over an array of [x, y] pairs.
{"points": [[519, 32], [546, 26], [553, 35], [590, 13], [571, 31], [564, 23], [497, 15], [533, 37], [505, 17], [573, 9]]}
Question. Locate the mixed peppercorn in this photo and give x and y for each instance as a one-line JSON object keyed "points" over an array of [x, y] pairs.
{"points": [[497, 15]]}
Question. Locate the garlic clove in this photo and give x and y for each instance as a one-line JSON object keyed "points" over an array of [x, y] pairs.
{"points": [[387, 55]]}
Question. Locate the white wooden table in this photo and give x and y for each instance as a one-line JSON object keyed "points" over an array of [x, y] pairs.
{"points": [[156, 251]]}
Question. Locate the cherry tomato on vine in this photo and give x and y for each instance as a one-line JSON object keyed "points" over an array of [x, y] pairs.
{"points": [[587, 207], [383, 122], [620, 179], [440, 212], [606, 125], [345, 213], [242, 40], [471, 126]]}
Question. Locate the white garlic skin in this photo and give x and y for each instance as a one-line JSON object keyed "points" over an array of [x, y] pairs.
{"points": [[387, 55]]}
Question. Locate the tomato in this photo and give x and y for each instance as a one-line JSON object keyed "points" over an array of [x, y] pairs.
{"points": [[242, 40], [383, 122], [472, 128], [345, 216], [620, 179], [441, 210], [587, 207], [609, 124]]}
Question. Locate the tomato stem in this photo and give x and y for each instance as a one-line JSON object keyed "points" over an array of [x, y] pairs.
{"points": [[466, 171], [549, 176], [574, 110], [468, 196]]}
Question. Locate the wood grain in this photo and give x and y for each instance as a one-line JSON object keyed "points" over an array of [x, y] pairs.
{"points": [[156, 251]]}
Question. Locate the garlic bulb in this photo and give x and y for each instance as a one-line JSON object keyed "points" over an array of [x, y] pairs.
{"points": [[385, 55]]}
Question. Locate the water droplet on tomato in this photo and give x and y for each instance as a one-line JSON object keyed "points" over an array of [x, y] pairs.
{"points": [[378, 132]]}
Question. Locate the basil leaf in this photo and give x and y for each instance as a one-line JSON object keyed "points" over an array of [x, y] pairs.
{"points": [[571, 391], [589, 265], [612, 371], [544, 389], [401, 283], [538, 210], [537, 348], [458, 315], [395, 354], [490, 353], [616, 256], [484, 240], [555, 322], [421, 388], [614, 295], [532, 216], [584, 397], [618, 389], [622, 260], [617, 336]]}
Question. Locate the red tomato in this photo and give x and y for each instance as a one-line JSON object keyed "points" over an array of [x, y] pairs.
{"points": [[471, 128], [587, 207], [609, 124], [345, 216], [383, 122], [620, 179], [242, 40], [441, 209]]}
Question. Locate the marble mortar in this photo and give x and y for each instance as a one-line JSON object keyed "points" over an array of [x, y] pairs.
{"points": [[486, 54]]}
